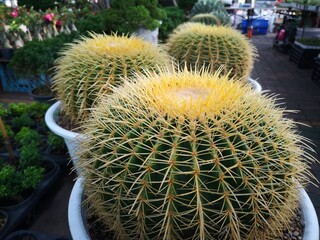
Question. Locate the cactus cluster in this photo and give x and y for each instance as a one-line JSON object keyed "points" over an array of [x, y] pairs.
{"points": [[214, 18], [189, 155], [89, 67], [196, 45]]}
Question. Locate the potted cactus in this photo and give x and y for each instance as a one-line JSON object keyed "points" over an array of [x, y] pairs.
{"points": [[189, 155], [197, 45], [88, 69]]}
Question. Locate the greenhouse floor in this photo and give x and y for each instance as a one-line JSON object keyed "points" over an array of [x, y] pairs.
{"points": [[273, 71]]}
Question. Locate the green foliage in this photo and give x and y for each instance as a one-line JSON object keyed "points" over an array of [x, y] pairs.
{"points": [[37, 57], [186, 5], [9, 132], [29, 155], [32, 176], [17, 109], [127, 16], [39, 5], [14, 181], [3, 110], [10, 180], [37, 110], [24, 120], [56, 142], [96, 23], [27, 136], [175, 16]]}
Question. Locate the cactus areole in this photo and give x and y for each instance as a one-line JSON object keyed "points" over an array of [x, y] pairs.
{"points": [[183, 155]]}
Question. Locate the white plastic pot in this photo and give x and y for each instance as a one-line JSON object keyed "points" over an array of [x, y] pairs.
{"points": [[71, 138], [255, 85], [148, 35], [78, 225]]}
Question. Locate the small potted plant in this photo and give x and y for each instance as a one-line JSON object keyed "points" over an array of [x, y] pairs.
{"points": [[189, 155], [139, 17]]}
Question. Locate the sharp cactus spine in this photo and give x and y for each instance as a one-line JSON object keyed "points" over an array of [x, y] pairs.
{"points": [[183, 155], [91, 65], [196, 45]]}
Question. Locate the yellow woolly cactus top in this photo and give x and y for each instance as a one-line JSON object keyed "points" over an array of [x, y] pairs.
{"points": [[112, 44], [193, 95]]}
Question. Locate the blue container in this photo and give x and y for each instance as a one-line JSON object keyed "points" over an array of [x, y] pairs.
{"points": [[260, 26]]}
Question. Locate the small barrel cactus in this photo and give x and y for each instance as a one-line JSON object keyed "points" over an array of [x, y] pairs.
{"points": [[214, 18], [196, 45], [185, 155], [88, 67]]}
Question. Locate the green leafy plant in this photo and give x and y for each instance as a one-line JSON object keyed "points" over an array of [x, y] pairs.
{"points": [[89, 68], [36, 59], [13, 181], [32, 176], [22, 121], [198, 46], [17, 109], [56, 142], [175, 17], [132, 14], [189, 155], [29, 155], [27, 136], [37, 110]]}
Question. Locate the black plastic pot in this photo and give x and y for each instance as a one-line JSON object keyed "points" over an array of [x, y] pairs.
{"points": [[31, 235]]}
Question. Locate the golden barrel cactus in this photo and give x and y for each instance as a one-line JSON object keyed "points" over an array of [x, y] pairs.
{"points": [[89, 67], [183, 155], [196, 45]]}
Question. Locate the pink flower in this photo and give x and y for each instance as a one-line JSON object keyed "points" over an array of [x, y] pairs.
{"points": [[15, 13], [48, 17], [58, 23]]}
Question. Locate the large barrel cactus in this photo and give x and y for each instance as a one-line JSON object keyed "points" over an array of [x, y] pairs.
{"points": [[185, 155], [196, 45], [89, 67]]}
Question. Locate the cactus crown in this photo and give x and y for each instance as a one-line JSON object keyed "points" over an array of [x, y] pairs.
{"points": [[89, 67], [196, 44], [182, 155]]}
